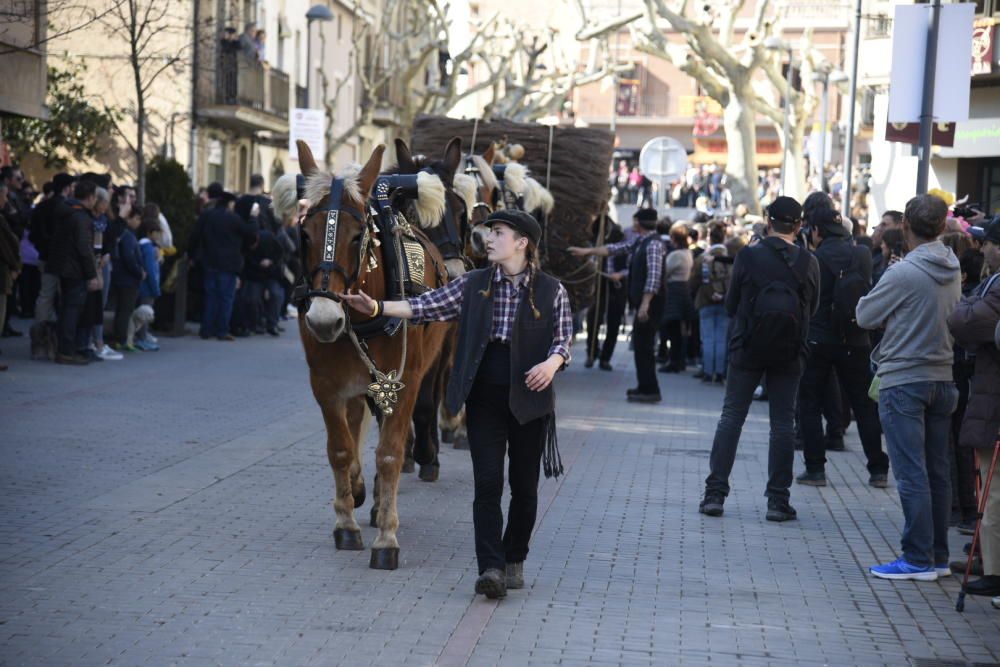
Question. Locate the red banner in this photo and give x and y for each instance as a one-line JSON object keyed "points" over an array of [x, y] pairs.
{"points": [[943, 134]]}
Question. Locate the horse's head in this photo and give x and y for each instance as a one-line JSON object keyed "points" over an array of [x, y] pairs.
{"points": [[480, 168], [448, 233], [334, 234]]}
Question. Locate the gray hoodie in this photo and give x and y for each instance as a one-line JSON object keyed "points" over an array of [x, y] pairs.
{"points": [[913, 301]]}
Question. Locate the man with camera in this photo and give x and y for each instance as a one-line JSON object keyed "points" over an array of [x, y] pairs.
{"points": [[837, 343], [916, 393], [772, 294]]}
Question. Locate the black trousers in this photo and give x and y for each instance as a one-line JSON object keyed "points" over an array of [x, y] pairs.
{"points": [[678, 348], [72, 301], [124, 306], [610, 310], [782, 386], [644, 342], [493, 432], [851, 364]]}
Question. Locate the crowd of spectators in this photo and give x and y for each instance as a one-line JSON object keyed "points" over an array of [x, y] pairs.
{"points": [[83, 252]]}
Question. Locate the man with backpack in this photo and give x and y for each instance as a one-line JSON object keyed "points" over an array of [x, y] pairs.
{"points": [[837, 343], [772, 294], [916, 392]]}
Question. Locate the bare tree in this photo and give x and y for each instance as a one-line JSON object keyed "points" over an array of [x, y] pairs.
{"points": [[157, 41], [743, 76], [399, 63]]}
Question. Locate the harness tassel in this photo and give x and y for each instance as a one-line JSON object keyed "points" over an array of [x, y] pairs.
{"points": [[551, 461]]}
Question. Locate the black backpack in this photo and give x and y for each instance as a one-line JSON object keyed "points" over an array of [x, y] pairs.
{"points": [[849, 287], [776, 326]]}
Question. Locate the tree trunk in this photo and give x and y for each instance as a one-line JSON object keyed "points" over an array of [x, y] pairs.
{"points": [[738, 120], [795, 166], [140, 156]]}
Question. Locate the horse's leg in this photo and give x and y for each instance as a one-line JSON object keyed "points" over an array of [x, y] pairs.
{"points": [[340, 452], [409, 464], [359, 419], [389, 463], [461, 432], [425, 446]]}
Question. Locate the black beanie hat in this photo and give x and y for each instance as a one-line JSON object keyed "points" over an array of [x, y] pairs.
{"points": [[518, 220]]}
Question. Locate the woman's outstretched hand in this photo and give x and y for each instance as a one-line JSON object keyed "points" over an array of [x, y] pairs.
{"points": [[360, 302]]}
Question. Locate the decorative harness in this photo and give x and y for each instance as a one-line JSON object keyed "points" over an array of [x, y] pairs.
{"points": [[384, 389]]}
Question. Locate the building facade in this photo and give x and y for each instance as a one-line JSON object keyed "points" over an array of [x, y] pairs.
{"points": [[971, 165]]}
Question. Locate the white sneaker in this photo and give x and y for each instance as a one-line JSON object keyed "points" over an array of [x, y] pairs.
{"points": [[108, 354], [996, 602], [151, 338]]}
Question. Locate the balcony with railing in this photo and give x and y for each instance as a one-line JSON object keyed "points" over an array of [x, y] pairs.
{"points": [[247, 95]]}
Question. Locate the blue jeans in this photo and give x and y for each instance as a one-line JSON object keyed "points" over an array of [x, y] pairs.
{"points": [[714, 322], [220, 291], [916, 419]]}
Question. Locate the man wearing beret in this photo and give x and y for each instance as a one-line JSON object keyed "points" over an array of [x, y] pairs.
{"points": [[645, 294]]}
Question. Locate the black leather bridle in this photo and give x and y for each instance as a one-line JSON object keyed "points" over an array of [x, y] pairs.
{"points": [[304, 291]]}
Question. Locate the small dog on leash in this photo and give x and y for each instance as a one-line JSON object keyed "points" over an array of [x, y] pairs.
{"points": [[44, 341]]}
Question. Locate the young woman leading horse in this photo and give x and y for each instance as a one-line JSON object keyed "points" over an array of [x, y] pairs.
{"points": [[515, 328]]}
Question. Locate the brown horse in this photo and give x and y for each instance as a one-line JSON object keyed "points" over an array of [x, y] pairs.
{"points": [[338, 373]]}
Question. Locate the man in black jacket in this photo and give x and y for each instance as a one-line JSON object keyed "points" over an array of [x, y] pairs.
{"points": [[835, 343], [71, 258], [48, 216], [218, 240], [766, 276]]}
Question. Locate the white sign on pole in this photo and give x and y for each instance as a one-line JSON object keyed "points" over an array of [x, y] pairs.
{"points": [[952, 73], [664, 160], [308, 125]]}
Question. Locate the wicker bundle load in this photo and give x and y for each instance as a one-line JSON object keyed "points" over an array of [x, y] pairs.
{"points": [[577, 177]]}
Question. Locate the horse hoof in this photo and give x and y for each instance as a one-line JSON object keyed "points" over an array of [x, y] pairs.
{"points": [[348, 540], [409, 465], [373, 521], [461, 442], [359, 497], [447, 435], [384, 559], [429, 473]]}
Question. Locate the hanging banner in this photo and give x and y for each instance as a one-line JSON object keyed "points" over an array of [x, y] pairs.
{"points": [[942, 134]]}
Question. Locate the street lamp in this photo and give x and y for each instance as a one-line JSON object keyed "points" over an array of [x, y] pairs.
{"points": [[778, 44], [826, 77], [315, 13]]}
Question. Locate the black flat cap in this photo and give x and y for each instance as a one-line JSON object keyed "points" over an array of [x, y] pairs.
{"points": [[517, 220]]}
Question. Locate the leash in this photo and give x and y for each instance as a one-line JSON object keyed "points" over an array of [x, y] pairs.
{"points": [[475, 132], [385, 387]]}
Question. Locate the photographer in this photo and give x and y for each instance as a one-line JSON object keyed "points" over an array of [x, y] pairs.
{"points": [[974, 324], [772, 293], [916, 392], [836, 343]]}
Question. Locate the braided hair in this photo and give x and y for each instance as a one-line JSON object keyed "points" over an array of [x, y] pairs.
{"points": [[531, 255]]}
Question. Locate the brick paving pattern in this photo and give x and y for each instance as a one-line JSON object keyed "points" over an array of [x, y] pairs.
{"points": [[175, 508]]}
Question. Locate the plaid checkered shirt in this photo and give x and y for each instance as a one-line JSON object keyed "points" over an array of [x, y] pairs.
{"points": [[654, 259], [444, 304]]}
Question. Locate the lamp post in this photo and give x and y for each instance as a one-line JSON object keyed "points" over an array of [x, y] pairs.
{"points": [[778, 44], [845, 194], [825, 77], [315, 13]]}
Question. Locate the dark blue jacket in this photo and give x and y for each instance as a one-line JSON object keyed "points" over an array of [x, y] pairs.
{"points": [[218, 240], [126, 262]]}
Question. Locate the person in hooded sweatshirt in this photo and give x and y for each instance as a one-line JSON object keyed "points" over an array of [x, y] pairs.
{"points": [[916, 396]]}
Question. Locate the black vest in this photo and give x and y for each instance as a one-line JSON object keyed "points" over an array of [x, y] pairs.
{"points": [[531, 340], [638, 272]]}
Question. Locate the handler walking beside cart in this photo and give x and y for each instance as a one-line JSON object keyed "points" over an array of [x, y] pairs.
{"points": [[515, 328]]}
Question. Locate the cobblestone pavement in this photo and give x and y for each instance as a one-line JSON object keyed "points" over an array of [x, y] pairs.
{"points": [[175, 508]]}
